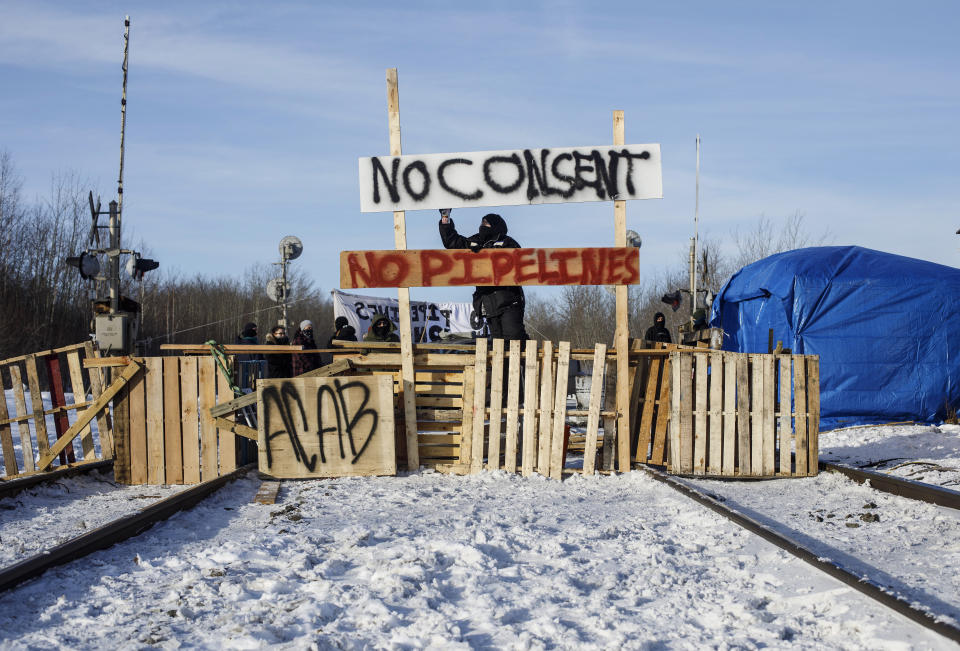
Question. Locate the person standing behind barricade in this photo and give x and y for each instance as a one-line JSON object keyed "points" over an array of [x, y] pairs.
{"points": [[305, 362], [342, 331], [381, 329], [278, 365], [658, 331], [501, 307]]}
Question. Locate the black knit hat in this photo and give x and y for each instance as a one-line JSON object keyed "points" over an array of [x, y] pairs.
{"points": [[497, 223], [249, 330], [340, 322]]}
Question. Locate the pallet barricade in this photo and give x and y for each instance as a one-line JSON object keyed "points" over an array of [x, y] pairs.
{"points": [[743, 415], [165, 433], [26, 426]]}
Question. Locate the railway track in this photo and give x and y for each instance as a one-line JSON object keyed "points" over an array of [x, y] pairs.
{"points": [[114, 532], [938, 622], [10, 487], [914, 490]]}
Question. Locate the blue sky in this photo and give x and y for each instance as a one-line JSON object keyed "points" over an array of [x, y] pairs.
{"points": [[246, 120]]}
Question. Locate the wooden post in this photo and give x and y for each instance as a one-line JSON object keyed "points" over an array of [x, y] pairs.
{"points": [[622, 332], [60, 421], [593, 419], [403, 293]]}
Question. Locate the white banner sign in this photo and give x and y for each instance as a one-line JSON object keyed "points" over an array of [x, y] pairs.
{"points": [[427, 319], [510, 177]]}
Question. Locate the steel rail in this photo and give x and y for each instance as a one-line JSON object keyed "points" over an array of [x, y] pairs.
{"points": [[111, 533], [914, 490], [933, 621], [10, 487]]}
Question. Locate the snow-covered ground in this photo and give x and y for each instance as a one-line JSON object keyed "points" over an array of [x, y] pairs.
{"points": [[498, 561]]}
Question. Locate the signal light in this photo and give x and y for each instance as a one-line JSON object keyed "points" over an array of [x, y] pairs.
{"points": [[673, 300], [88, 265]]}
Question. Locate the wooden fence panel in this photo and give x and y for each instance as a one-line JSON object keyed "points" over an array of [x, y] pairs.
{"points": [[557, 449], [786, 427], [767, 422], [156, 460], [528, 450], [39, 421], [10, 466], [23, 424], [700, 413], [227, 440], [479, 406], [172, 430], [800, 402], [79, 392], [189, 420], [813, 402], [729, 413], [513, 407], [496, 404], [546, 410]]}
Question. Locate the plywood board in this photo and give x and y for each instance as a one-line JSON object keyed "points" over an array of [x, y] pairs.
{"points": [[508, 177], [326, 427], [137, 428]]}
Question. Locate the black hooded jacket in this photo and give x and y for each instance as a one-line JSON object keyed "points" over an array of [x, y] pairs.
{"points": [[658, 332], [487, 300]]}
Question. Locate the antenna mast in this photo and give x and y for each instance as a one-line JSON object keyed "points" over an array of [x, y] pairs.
{"points": [[695, 238], [123, 111]]}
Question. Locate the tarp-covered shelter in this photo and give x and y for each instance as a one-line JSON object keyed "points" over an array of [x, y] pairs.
{"points": [[886, 328]]}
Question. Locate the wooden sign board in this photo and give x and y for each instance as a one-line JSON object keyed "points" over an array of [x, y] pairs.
{"points": [[326, 427], [497, 267], [510, 177]]}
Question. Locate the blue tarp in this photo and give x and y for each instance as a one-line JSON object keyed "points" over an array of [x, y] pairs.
{"points": [[886, 328]]}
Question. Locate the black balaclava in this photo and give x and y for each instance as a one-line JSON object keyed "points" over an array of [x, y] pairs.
{"points": [[659, 319], [381, 327], [340, 322], [495, 231]]}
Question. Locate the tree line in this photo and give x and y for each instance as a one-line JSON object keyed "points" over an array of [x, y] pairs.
{"points": [[46, 304]]}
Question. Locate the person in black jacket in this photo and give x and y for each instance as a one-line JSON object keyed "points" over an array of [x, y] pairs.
{"points": [[278, 365], [658, 331], [502, 307]]}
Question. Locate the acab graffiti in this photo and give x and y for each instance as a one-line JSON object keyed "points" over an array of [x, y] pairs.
{"points": [[328, 423]]}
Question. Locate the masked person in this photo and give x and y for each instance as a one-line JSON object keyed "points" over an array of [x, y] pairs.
{"points": [[658, 331], [278, 365], [381, 329], [501, 307], [304, 362]]}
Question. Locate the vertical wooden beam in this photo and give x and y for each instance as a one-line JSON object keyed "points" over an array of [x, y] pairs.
{"points": [[227, 439], [663, 414], [800, 415], [715, 447], [729, 413], [649, 391], [104, 424], [546, 410], [207, 398], [80, 395], [172, 438], [39, 422], [593, 416], [156, 462], [466, 421], [189, 422], [608, 453], [496, 405], [513, 407], [558, 450], [20, 404], [685, 373], [701, 396], [135, 453], [121, 433], [743, 414], [756, 415], [403, 293], [769, 423], [479, 406], [528, 454], [813, 400], [57, 399], [622, 332], [10, 466], [786, 429], [674, 446]]}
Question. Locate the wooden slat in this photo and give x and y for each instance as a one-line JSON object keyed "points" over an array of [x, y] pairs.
{"points": [[268, 491], [496, 405], [662, 415], [701, 395], [227, 425], [674, 446], [190, 420], [439, 452], [744, 455], [528, 453], [227, 439], [172, 413], [206, 399], [800, 406], [729, 413], [87, 415], [638, 377], [479, 406], [136, 415], [813, 402], [20, 404], [786, 429], [441, 377], [593, 420], [440, 401], [424, 390], [621, 335], [439, 439], [58, 401], [715, 444], [466, 431], [42, 353], [558, 452], [645, 437], [80, 395], [120, 433], [546, 410], [104, 422], [437, 426], [10, 466], [756, 415], [39, 422], [768, 422], [513, 407], [686, 413], [156, 461]]}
